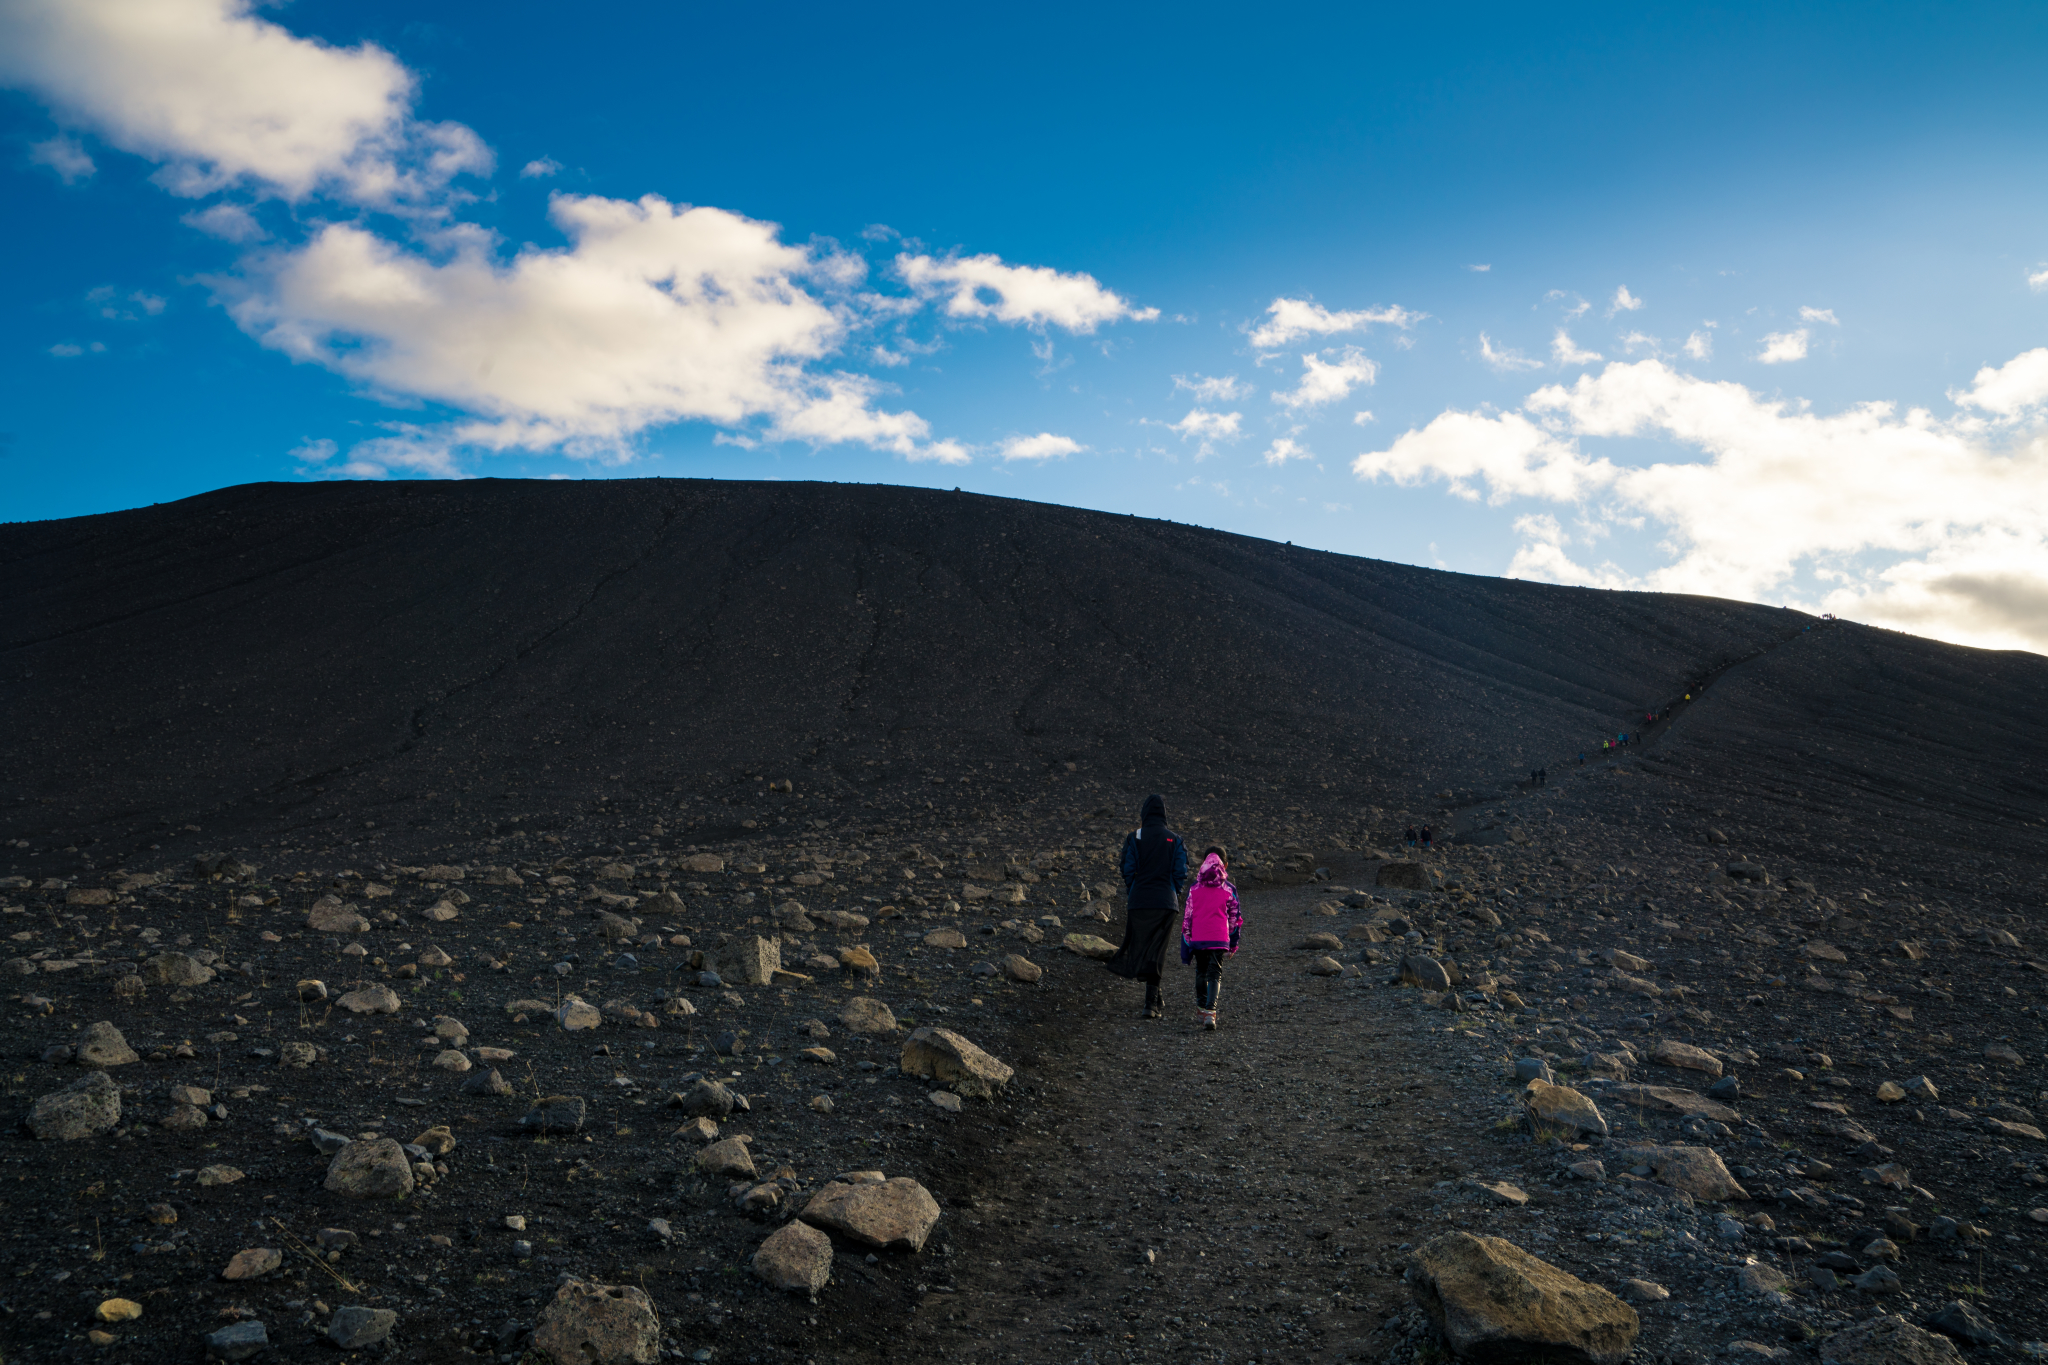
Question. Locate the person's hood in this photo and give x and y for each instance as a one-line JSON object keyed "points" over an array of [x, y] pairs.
{"points": [[1153, 812], [1212, 873]]}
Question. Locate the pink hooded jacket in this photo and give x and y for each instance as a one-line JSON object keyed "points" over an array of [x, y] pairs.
{"points": [[1212, 918]]}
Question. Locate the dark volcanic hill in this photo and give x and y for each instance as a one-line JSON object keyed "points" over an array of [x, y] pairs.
{"points": [[400, 664]]}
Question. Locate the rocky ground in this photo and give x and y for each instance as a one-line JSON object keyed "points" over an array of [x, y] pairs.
{"points": [[454, 967]]}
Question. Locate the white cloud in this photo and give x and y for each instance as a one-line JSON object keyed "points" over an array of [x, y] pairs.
{"points": [[1506, 361], [1938, 526], [64, 350], [1284, 449], [1479, 269], [1699, 346], [2039, 279], [229, 222], [2011, 390], [1579, 306], [1327, 381], [1036, 295], [1826, 315], [1783, 347], [654, 313], [65, 156], [1207, 389], [1222, 426], [540, 168], [115, 306], [1289, 320], [1623, 302], [1362, 419], [1043, 446], [1566, 352], [222, 97]]}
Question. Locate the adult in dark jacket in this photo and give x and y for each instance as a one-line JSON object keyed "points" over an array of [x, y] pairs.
{"points": [[1155, 867]]}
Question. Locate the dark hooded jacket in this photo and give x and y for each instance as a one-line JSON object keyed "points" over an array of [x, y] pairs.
{"points": [[1155, 872], [1155, 861]]}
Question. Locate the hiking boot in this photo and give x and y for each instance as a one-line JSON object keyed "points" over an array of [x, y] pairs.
{"points": [[1208, 1020]]}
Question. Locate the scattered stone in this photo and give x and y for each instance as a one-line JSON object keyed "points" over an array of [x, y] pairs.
{"points": [[332, 915], [858, 961], [753, 960], [1922, 1089], [577, 1015], [376, 1168], [1671, 1100], [1890, 1092], [451, 1060], [1963, 1322], [218, 1175], [796, 1257], [83, 1109], [1888, 1340], [1499, 1192], [312, 992], [438, 1141], [1560, 1106], [1326, 966], [1696, 1171], [865, 1015], [2003, 1052], [944, 1056], [358, 1329], [238, 1342], [599, 1324], [1089, 946], [1020, 968], [729, 1158], [945, 938], [376, 998], [256, 1261], [894, 1214], [1325, 943], [1424, 972], [1644, 1291], [1588, 1170], [101, 1046], [118, 1310], [491, 1082], [1494, 1301], [176, 969], [1758, 1278], [1879, 1279], [555, 1114], [699, 1129], [1670, 1052], [705, 1098]]}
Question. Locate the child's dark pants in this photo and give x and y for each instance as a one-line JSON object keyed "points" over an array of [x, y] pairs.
{"points": [[1208, 976]]}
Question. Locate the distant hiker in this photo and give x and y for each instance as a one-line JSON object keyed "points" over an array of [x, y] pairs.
{"points": [[1155, 867], [1425, 836], [1411, 836], [1209, 930], [1543, 777]]}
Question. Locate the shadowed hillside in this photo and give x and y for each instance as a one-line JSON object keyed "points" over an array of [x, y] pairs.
{"points": [[402, 662]]}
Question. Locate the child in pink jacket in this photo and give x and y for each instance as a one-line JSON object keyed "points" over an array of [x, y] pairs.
{"points": [[1209, 929]]}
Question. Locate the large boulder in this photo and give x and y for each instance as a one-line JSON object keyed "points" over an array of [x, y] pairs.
{"points": [[891, 1214], [950, 1060], [1561, 1107], [82, 1109], [1695, 1170], [1426, 972], [376, 1169], [333, 915], [1495, 1303], [796, 1257], [599, 1324], [1888, 1340]]}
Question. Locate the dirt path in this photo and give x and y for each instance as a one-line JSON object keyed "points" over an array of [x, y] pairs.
{"points": [[1171, 1194]]}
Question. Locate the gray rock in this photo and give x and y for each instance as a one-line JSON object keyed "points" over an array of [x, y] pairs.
{"points": [[487, 1083], [555, 1114], [354, 1329], [599, 1324], [82, 1109], [1888, 1340], [1562, 1108], [1963, 1322], [176, 969], [891, 1214], [376, 998], [1418, 969], [328, 1143], [704, 1099], [101, 1046], [1533, 1069], [377, 1169], [1727, 1090], [950, 1060], [1495, 1302], [297, 1056], [796, 1257], [238, 1342], [865, 1015]]}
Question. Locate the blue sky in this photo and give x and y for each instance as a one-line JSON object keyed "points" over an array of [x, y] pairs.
{"points": [[1216, 265]]}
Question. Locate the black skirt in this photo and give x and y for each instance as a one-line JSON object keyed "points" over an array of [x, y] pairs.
{"points": [[1144, 946]]}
